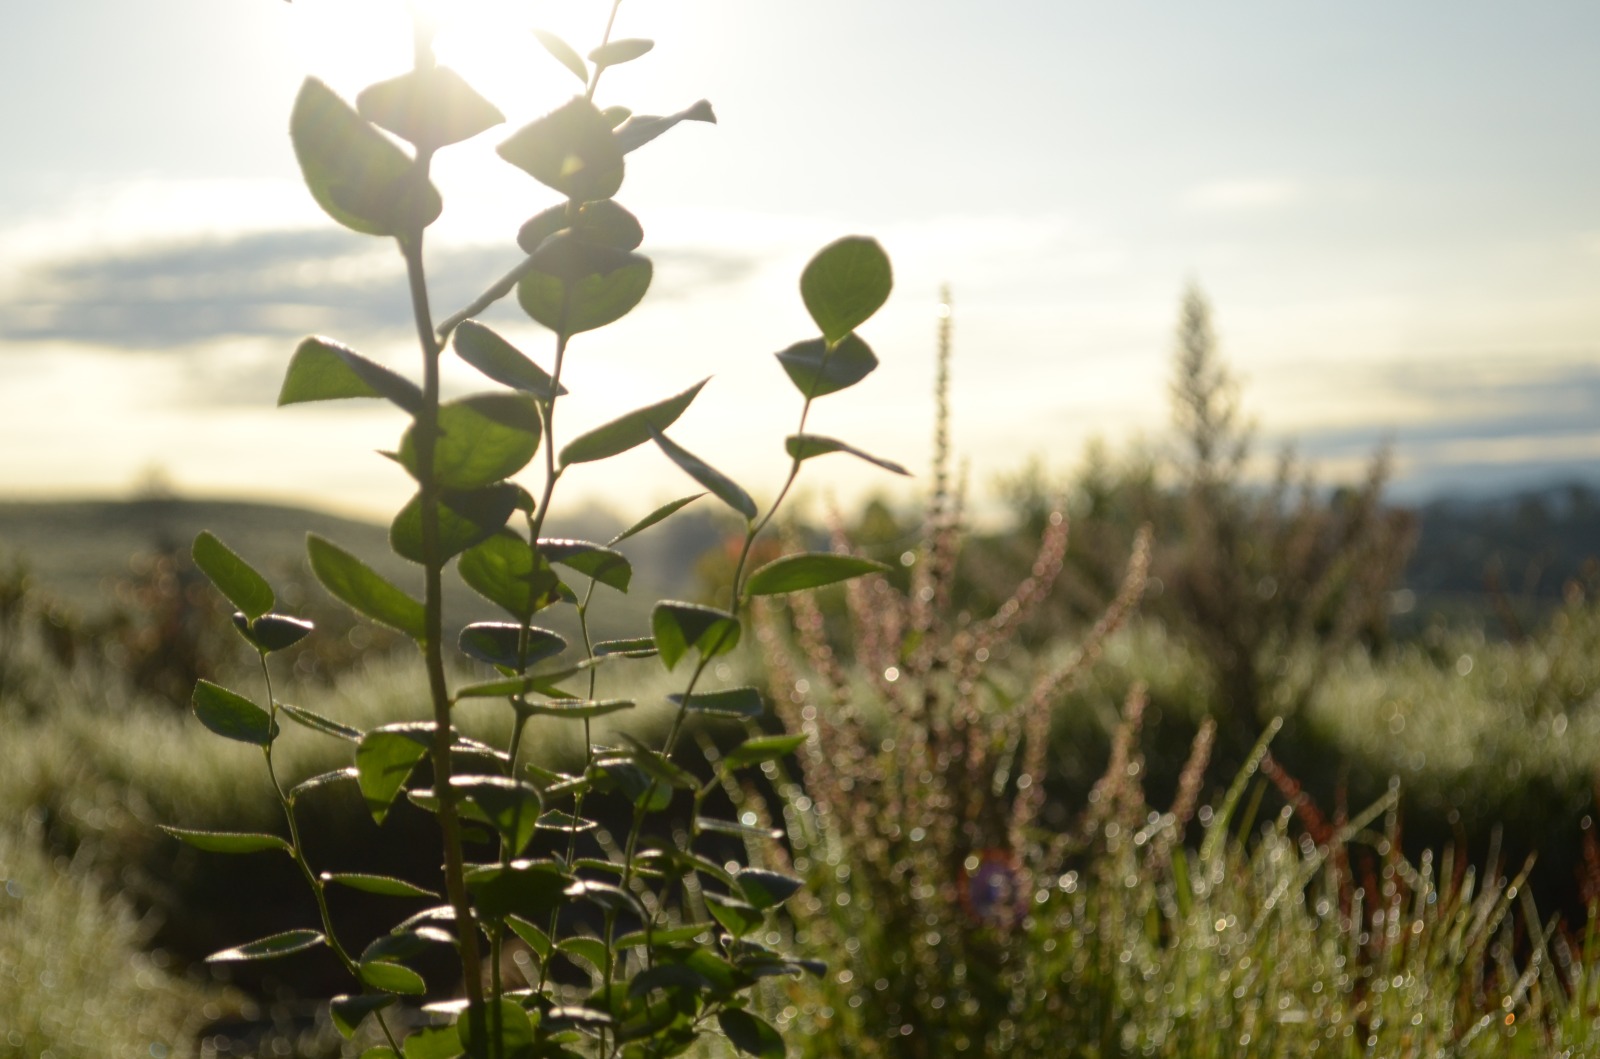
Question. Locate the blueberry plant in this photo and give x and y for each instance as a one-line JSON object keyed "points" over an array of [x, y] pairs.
{"points": [[665, 943]]}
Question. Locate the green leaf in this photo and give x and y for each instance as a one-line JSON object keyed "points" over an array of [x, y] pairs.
{"points": [[515, 1037], [571, 149], [592, 951], [633, 781], [530, 889], [792, 573], [384, 760], [680, 626], [507, 572], [501, 361], [232, 716], [236, 579], [436, 1042], [640, 129], [482, 439], [384, 885], [290, 941], [602, 223], [318, 723], [536, 939], [818, 371], [566, 823], [431, 107], [660, 513], [363, 590], [664, 936], [466, 517], [227, 841], [654, 764], [807, 446], [720, 485], [322, 779], [391, 978], [763, 748], [750, 1034], [324, 370], [738, 917], [592, 560], [766, 889], [348, 1012], [844, 284], [511, 806], [358, 177], [627, 431], [573, 305], [731, 827], [272, 632], [502, 644], [617, 52], [578, 708], [731, 702], [564, 54], [637, 647]]}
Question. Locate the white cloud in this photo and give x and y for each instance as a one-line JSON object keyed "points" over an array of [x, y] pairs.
{"points": [[1249, 194]]}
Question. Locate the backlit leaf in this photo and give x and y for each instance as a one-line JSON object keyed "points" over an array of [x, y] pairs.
{"points": [[718, 484], [358, 177], [817, 371], [844, 284], [290, 941], [630, 430], [385, 758], [792, 573], [564, 54], [324, 370], [762, 748], [679, 626], [227, 841], [318, 723], [640, 129], [236, 579], [272, 632], [729, 702], [482, 439], [571, 306], [664, 511], [466, 517], [617, 52], [361, 588], [348, 1012], [385, 885], [501, 361], [391, 978], [807, 446], [503, 644], [511, 806], [571, 150], [507, 572], [232, 716], [431, 107], [766, 889]]}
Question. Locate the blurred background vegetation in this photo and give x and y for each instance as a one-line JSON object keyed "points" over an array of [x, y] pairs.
{"points": [[1441, 662]]}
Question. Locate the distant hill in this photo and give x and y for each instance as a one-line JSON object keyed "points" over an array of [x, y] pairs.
{"points": [[76, 550]]}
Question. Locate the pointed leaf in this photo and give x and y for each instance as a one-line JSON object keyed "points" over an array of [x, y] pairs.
{"points": [[571, 149], [627, 431], [680, 626], [318, 723], [363, 590], [431, 107], [358, 177], [466, 517], [507, 572], [530, 889], [640, 129], [392, 978], [729, 702], [807, 446], [766, 889], [323, 779], [730, 827], [232, 716], [564, 54], [227, 841], [718, 484], [324, 370], [385, 758], [348, 1012], [844, 284], [566, 823], [762, 748], [511, 806], [384, 885], [272, 632], [664, 511], [737, 916], [592, 560], [536, 939], [502, 644], [502, 362], [792, 573], [236, 579], [482, 439], [578, 708], [818, 371], [637, 647], [573, 305], [617, 52], [289, 941]]}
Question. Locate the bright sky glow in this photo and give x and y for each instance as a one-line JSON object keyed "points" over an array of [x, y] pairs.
{"points": [[1395, 210]]}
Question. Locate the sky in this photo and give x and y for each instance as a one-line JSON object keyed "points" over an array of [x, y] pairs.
{"points": [[1394, 211]]}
